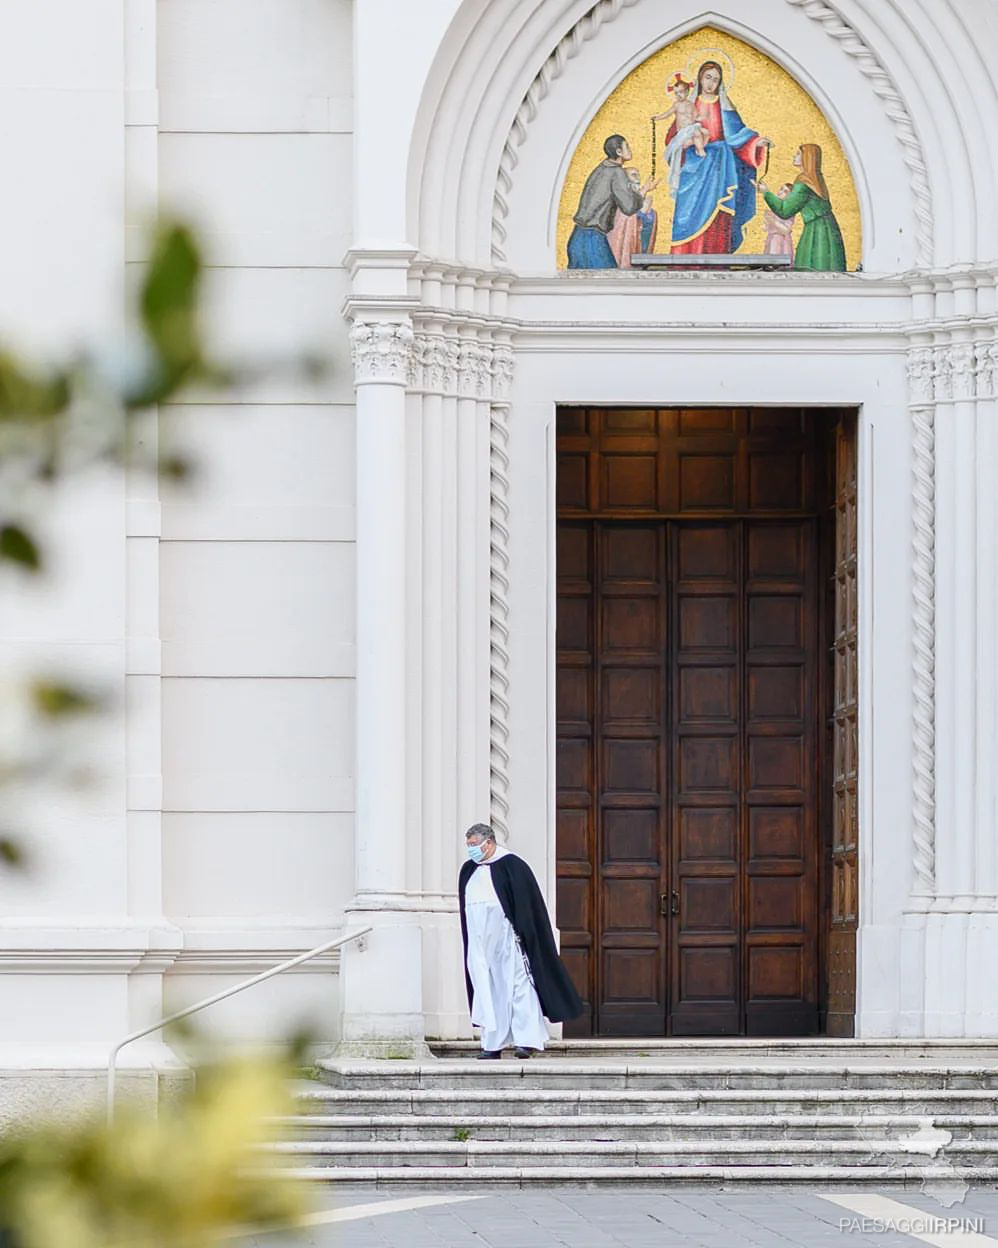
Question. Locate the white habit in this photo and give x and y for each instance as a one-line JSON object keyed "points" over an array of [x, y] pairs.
{"points": [[504, 1002]]}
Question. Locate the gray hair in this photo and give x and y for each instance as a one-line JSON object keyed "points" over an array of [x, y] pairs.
{"points": [[481, 829]]}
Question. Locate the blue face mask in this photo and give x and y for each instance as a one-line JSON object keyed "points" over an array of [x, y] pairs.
{"points": [[476, 852]]}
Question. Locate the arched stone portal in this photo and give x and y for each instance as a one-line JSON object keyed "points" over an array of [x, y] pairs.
{"points": [[479, 341]]}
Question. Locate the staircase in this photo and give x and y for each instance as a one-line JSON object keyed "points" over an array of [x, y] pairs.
{"points": [[611, 1113]]}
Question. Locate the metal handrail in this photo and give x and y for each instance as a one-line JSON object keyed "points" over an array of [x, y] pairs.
{"points": [[112, 1061]]}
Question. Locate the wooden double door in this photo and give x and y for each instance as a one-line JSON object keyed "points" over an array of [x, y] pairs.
{"points": [[695, 718]]}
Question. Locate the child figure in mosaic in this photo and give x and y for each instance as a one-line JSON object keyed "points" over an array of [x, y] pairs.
{"points": [[779, 233], [625, 236], [689, 130]]}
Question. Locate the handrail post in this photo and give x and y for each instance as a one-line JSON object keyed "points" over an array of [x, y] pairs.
{"points": [[112, 1061]]}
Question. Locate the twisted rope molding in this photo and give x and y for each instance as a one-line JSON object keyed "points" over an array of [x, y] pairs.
{"points": [[887, 90], [499, 438], [821, 11], [924, 661], [586, 28]]}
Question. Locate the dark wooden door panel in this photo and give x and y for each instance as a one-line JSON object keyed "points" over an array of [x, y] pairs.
{"points": [[689, 702], [705, 677], [845, 748], [631, 779], [576, 819], [780, 795]]}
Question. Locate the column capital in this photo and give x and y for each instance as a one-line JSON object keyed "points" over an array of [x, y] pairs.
{"points": [[380, 352], [948, 372], [503, 362], [921, 376]]}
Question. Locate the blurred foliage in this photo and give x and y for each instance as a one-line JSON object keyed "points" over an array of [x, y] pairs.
{"points": [[182, 1176], [57, 422], [183, 1179], [59, 419]]}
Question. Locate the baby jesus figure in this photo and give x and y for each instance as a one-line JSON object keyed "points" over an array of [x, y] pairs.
{"points": [[689, 131]]}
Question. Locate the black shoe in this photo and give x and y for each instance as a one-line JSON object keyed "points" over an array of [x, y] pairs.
{"points": [[492, 1055], [520, 1051]]}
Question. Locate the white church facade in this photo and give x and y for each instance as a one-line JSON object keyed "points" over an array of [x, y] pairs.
{"points": [[685, 578]]}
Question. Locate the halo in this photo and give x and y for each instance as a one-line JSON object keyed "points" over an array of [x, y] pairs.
{"points": [[711, 54]]}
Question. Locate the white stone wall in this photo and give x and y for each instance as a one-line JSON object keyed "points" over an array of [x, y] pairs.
{"points": [[66, 938], [218, 619], [257, 563]]}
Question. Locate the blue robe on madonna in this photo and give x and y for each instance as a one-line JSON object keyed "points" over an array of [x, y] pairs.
{"points": [[721, 181]]}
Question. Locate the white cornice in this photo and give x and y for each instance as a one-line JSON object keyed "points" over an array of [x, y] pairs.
{"points": [[253, 961]]}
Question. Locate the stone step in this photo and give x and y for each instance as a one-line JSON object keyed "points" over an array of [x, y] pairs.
{"points": [[651, 1126], [487, 1154], [812, 1176], [566, 1102], [462, 1076], [753, 1050]]}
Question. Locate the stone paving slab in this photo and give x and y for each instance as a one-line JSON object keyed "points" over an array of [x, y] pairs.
{"points": [[772, 1218]]}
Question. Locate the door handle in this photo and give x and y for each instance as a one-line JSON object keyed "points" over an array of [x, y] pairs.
{"points": [[668, 907]]}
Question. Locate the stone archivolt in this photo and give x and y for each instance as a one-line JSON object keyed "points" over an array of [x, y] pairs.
{"points": [[826, 14]]}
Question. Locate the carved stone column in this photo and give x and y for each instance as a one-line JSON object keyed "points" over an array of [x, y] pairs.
{"points": [[951, 922], [381, 1012]]}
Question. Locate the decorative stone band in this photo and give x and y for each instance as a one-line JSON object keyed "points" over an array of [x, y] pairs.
{"points": [[953, 372], [471, 368], [381, 351]]}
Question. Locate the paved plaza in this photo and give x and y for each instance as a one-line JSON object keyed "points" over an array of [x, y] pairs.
{"points": [[742, 1218]]}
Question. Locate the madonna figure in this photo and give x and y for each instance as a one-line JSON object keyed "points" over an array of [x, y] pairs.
{"points": [[716, 193]]}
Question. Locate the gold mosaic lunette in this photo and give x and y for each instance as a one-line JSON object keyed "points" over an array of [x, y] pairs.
{"points": [[769, 101]]}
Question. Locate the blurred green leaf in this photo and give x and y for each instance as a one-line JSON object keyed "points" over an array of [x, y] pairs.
{"points": [[17, 546], [55, 699], [25, 396], [175, 468], [10, 852], [168, 311]]}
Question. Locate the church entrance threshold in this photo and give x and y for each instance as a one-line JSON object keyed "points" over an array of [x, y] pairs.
{"points": [[706, 700]]}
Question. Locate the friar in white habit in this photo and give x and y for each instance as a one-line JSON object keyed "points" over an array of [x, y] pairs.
{"points": [[514, 975]]}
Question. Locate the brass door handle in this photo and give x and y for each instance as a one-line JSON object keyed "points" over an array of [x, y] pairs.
{"points": [[675, 901], [663, 903], [668, 907]]}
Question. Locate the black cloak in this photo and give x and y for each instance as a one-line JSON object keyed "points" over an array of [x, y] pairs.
{"points": [[523, 905]]}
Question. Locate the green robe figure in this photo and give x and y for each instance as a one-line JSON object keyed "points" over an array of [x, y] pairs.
{"points": [[820, 245]]}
